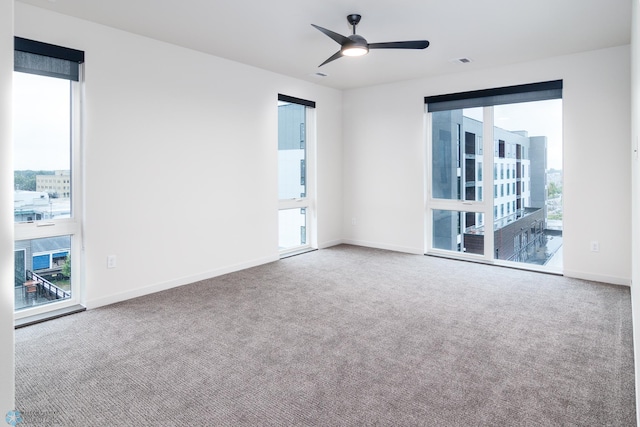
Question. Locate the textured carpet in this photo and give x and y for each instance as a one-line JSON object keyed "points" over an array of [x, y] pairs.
{"points": [[344, 336]]}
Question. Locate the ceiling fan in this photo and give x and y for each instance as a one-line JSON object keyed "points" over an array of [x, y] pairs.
{"points": [[356, 45]]}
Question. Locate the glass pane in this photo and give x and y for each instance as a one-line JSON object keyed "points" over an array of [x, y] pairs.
{"points": [[528, 206], [458, 231], [292, 228], [457, 154], [291, 151], [42, 147], [42, 271]]}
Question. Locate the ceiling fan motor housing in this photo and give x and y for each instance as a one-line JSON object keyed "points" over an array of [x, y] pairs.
{"points": [[355, 42]]}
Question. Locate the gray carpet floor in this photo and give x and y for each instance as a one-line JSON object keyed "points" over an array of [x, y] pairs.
{"points": [[344, 336]]}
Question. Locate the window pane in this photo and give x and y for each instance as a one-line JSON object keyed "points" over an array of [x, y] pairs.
{"points": [[42, 147], [529, 230], [292, 228], [292, 182], [458, 231], [457, 154], [42, 271]]}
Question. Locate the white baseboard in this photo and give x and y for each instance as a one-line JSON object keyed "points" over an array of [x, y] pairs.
{"points": [[163, 286], [376, 245], [597, 278], [330, 243]]}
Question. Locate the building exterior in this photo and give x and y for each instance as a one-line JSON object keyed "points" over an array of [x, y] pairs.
{"points": [[29, 206], [56, 185], [519, 187], [292, 173]]}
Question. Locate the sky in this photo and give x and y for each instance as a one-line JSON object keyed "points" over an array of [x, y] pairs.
{"points": [[539, 118], [41, 122]]}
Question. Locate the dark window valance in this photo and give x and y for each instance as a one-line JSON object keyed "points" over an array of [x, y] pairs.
{"points": [[45, 59], [498, 96], [293, 100]]}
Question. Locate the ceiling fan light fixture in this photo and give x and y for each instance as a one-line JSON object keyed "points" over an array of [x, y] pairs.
{"points": [[355, 50], [356, 46]]}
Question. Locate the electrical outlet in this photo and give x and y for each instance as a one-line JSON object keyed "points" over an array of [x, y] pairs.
{"points": [[111, 261], [353, 221], [595, 246]]}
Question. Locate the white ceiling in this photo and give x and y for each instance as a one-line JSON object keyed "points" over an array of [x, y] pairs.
{"points": [[276, 35]]}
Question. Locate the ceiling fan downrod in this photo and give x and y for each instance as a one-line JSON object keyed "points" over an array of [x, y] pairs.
{"points": [[354, 19]]}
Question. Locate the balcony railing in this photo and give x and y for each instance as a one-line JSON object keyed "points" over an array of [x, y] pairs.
{"points": [[502, 222], [46, 288]]}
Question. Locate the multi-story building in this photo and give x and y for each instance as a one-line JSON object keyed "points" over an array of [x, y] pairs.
{"points": [[519, 187], [56, 185]]}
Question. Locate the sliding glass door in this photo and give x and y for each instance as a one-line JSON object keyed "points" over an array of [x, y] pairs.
{"points": [[495, 181]]}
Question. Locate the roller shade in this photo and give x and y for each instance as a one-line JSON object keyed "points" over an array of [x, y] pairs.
{"points": [[299, 101], [498, 96], [45, 59]]}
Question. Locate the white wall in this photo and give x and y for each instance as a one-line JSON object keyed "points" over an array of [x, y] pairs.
{"points": [[196, 136], [385, 142], [635, 164], [7, 379]]}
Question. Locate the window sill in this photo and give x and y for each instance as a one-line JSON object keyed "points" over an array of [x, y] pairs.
{"points": [[43, 317]]}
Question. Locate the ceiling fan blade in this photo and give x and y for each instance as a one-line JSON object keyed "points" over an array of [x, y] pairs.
{"points": [[339, 38], [333, 57], [415, 44]]}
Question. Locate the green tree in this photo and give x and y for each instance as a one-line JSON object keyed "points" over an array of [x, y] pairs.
{"points": [[66, 268], [554, 190], [26, 180]]}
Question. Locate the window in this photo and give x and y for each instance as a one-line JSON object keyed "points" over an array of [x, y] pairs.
{"points": [[469, 143], [462, 224], [520, 123], [295, 174], [47, 177]]}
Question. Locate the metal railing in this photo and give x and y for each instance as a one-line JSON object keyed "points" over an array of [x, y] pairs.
{"points": [[48, 287]]}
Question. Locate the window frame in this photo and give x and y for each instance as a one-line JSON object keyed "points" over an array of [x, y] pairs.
{"points": [[487, 99], [71, 226], [306, 203]]}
